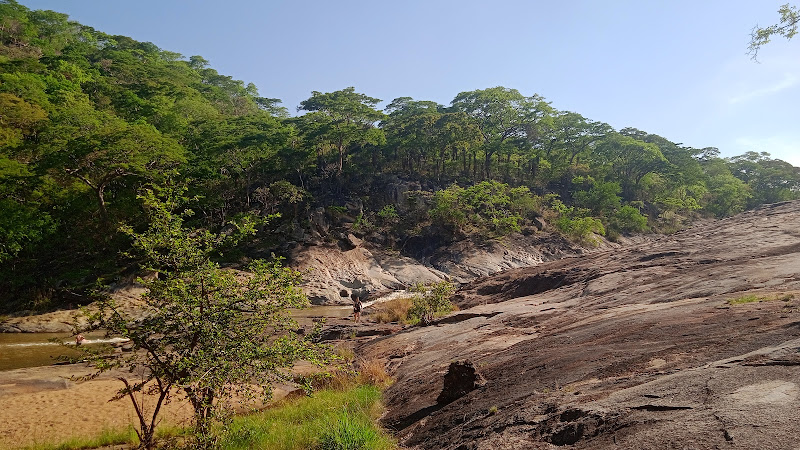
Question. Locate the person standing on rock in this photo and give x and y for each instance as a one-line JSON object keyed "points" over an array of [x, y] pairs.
{"points": [[357, 307]]}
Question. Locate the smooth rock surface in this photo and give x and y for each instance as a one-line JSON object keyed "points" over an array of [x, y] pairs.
{"points": [[633, 348]]}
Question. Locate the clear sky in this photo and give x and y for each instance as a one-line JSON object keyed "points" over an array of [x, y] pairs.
{"points": [[677, 68]]}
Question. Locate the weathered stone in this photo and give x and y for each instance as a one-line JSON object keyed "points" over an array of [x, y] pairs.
{"points": [[354, 241], [461, 378], [618, 349]]}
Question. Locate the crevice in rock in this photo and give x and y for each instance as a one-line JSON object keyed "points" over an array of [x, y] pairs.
{"points": [[460, 317], [659, 408]]}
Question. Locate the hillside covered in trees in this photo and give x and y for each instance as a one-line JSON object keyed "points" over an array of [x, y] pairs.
{"points": [[88, 120]]}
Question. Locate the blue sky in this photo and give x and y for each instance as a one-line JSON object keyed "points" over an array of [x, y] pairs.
{"points": [[676, 68]]}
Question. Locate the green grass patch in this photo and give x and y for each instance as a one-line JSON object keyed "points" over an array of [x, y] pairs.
{"points": [[752, 298], [106, 437], [330, 420]]}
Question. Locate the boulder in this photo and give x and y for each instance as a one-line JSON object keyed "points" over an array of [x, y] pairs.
{"points": [[461, 379]]}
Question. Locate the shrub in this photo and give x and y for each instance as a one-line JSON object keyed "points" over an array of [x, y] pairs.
{"points": [[581, 229], [488, 207], [629, 218], [207, 332], [576, 223], [433, 302], [388, 214], [600, 197]]}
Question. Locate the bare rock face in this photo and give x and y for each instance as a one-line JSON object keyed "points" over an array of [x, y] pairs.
{"points": [[688, 341], [461, 378], [332, 271]]}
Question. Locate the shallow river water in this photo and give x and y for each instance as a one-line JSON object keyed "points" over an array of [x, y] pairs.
{"points": [[19, 350]]}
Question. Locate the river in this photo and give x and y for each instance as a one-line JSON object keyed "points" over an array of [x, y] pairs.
{"points": [[20, 350]]}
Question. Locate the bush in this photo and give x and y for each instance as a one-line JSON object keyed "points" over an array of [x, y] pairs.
{"points": [[433, 302], [581, 229], [629, 218], [576, 224], [489, 207], [388, 214], [600, 198]]}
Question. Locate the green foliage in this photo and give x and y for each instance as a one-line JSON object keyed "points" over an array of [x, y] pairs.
{"points": [[488, 207], [341, 120], [770, 180], [21, 225], [88, 119], [280, 193], [433, 301], [729, 195], [601, 198], [388, 213], [629, 219], [362, 223], [786, 27], [208, 332], [576, 224]]}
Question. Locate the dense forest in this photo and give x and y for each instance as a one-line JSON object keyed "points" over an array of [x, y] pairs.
{"points": [[89, 120]]}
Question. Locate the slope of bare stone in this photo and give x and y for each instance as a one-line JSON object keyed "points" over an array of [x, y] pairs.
{"points": [[333, 271], [626, 348]]}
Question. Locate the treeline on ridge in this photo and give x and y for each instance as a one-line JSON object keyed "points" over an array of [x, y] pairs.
{"points": [[87, 120]]}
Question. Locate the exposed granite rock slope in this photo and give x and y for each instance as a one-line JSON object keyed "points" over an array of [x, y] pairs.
{"points": [[626, 348]]}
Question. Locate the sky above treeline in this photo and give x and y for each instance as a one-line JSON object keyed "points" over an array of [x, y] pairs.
{"points": [[676, 68]]}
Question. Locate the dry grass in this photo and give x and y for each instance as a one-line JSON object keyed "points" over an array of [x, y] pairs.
{"points": [[367, 372], [395, 310], [373, 372], [346, 354]]}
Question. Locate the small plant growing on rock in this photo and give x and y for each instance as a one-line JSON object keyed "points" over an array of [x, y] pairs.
{"points": [[752, 298], [433, 301]]}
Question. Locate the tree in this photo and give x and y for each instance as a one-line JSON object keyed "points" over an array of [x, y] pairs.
{"points": [[503, 115], [342, 120], [770, 180], [208, 332], [100, 150], [786, 27], [628, 159]]}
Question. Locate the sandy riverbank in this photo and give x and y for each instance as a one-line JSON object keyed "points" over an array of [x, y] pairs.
{"points": [[42, 405]]}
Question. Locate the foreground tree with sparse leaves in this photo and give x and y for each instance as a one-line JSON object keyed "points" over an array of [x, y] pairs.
{"points": [[210, 334]]}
